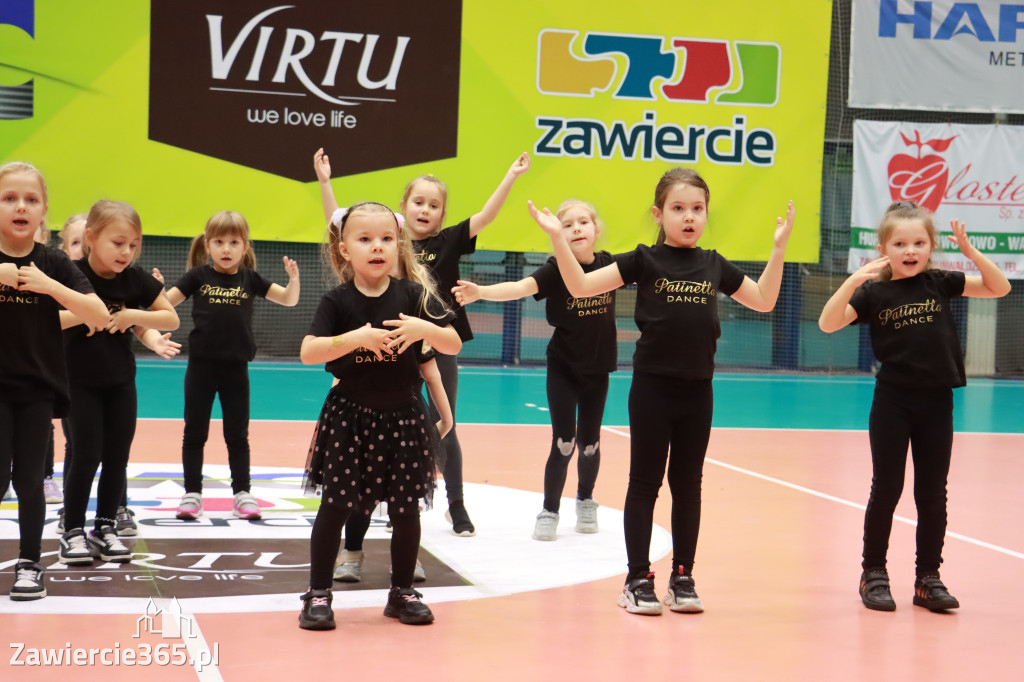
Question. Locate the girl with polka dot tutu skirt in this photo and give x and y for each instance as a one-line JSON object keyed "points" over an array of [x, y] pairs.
{"points": [[373, 442]]}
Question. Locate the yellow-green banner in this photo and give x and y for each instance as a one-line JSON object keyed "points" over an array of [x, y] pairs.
{"points": [[186, 107]]}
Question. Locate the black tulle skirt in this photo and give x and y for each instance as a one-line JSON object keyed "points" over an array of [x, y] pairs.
{"points": [[362, 456]]}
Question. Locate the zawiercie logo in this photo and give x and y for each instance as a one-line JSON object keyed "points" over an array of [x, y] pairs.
{"points": [[263, 84]]}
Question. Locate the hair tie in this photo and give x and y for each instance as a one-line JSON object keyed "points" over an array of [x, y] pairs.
{"points": [[337, 216], [400, 219]]}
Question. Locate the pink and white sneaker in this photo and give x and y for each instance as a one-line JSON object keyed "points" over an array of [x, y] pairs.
{"points": [[246, 506]]}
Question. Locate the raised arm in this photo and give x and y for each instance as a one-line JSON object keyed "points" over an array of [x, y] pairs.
{"points": [[435, 387], [762, 294], [467, 292], [838, 312], [289, 295], [580, 284], [489, 212], [87, 307], [992, 283], [322, 166]]}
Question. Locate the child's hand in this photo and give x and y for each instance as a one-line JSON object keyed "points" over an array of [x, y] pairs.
{"points": [[120, 321], [443, 427], [521, 165], [407, 330], [869, 271], [377, 341], [322, 166], [166, 348], [9, 275], [291, 267], [466, 292], [783, 229], [158, 276], [31, 278], [959, 237], [546, 220]]}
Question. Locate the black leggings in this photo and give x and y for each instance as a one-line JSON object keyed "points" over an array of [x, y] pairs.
{"points": [[102, 422], [448, 366], [922, 419], [326, 538], [23, 432], [576, 405], [668, 419], [204, 380]]}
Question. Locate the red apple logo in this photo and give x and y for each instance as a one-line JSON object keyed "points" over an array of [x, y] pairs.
{"points": [[921, 179]]}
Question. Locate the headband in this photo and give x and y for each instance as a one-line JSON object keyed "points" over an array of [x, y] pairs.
{"points": [[339, 215]]}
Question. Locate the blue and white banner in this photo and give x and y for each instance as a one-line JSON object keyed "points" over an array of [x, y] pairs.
{"points": [[937, 54]]}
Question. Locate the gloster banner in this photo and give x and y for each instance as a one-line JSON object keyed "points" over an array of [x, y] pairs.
{"points": [[937, 54], [972, 173]]}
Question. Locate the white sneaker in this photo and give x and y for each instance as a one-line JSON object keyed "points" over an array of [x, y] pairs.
{"points": [[246, 506], [191, 506], [106, 543], [74, 549], [586, 516], [547, 525], [350, 566], [28, 581], [51, 491]]}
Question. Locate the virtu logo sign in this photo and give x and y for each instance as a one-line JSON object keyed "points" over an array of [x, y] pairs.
{"points": [[922, 178], [263, 84]]}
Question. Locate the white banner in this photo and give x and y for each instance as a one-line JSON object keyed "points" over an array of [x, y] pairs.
{"points": [[941, 55], [973, 173]]}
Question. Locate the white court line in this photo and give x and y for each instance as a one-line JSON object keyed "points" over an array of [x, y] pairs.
{"points": [[848, 503]]}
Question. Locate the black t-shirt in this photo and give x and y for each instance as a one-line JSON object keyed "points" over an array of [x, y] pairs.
{"points": [[32, 365], [222, 312], [677, 307], [584, 338], [912, 328], [441, 253], [393, 380], [106, 359]]}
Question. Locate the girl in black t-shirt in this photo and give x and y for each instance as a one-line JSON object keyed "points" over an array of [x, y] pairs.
{"points": [[101, 368], [905, 300], [223, 283], [34, 283], [424, 206], [373, 442], [581, 354], [670, 400]]}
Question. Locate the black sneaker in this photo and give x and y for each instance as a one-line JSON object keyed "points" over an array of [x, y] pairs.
{"points": [[682, 594], [638, 596], [126, 526], [459, 518], [405, 605], [28, 581], [874, 590], [930, 593], [60, 521], [316, 613], [74, 549], [104, 541]]}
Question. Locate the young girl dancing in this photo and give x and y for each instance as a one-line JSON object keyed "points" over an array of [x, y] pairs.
{"points": [[670, 400], [35, 282], [424, 206], [914, 337], [224, 282], [373, 442], [101, 369], [581, 354]]}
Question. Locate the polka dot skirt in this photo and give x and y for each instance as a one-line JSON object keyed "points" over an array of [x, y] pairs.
{"points": [[361, 456]]}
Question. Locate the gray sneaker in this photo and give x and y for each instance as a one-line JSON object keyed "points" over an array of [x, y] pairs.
{"points": [[191, 506], [586, 516], [126, 525], [350, 567], [546, 527]]}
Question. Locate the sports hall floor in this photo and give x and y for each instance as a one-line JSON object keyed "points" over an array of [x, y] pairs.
{"points": [[787, 474]]}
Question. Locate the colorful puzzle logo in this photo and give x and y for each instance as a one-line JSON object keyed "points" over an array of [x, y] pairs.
{"points": [[16, 100], [696, 70]]}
